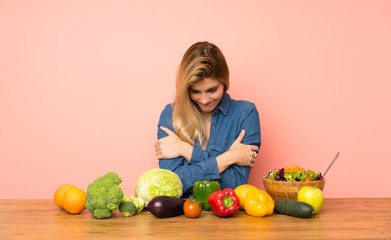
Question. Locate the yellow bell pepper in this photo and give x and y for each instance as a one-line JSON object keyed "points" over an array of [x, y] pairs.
{"points": [[258, 203]]}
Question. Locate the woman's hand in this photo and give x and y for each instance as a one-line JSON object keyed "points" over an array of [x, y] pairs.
{"points": [[242, 154], [172, 146]]}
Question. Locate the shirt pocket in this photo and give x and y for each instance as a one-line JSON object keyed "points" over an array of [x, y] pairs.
{"points": [[220, 147]]}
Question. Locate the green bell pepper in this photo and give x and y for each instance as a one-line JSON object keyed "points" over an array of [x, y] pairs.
{"points": [[202, 190]]}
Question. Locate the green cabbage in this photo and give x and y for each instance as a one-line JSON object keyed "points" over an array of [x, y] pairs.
{"points": [[158, 182]]}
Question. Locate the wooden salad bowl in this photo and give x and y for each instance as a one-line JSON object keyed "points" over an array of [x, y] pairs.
{"points": [[282, 190]]}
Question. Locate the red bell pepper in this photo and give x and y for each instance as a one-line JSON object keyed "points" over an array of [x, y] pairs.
{"points": [[224, 203]]}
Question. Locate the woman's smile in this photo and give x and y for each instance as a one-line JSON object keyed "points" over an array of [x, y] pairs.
{"points": [[207, 94]]}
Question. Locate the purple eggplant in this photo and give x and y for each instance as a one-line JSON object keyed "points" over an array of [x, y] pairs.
{"points": [[164, 206]]}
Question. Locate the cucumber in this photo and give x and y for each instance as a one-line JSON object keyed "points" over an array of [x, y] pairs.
{"points": [[293, 208]]}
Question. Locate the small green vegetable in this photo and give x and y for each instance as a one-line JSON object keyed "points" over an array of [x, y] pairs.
{"points": [[131, 205], [127, 208], [293, 208], [104, 195], [202, 190]]}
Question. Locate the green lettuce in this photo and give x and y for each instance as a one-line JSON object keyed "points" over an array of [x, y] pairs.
{"points": [[158, 182]]}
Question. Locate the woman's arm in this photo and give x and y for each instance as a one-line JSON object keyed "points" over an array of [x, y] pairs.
{"points": [[172, 146], [204, 168], [238, 174], [194, 164], [200, 167], [239, 154]]}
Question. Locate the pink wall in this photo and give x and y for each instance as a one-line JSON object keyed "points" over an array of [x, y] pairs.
{"points": [[82, 84]]}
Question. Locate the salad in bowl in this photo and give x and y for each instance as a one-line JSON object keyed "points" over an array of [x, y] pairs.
{"points": [[294, 173], [285, 183]]}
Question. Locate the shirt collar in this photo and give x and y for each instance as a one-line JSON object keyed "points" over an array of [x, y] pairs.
{"points": [[224, 103]]}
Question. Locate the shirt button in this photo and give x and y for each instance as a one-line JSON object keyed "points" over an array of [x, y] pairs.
{"points": [[226, 149], [209, 141], [213, 126]]}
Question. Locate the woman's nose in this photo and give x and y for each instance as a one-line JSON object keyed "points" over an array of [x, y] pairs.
{"points": [[204, 99]]}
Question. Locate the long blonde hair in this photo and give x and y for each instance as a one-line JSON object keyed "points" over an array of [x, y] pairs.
{"points": [[202, 60]]}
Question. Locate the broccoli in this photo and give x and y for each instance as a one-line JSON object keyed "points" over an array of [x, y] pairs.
{"points": [[104, 195], [127, 208], [131, 205]]}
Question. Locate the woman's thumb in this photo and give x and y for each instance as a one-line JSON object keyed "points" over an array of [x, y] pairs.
{"points": [[240, 137]]}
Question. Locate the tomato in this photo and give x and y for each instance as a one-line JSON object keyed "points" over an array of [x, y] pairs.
{"points": [[192, 208], [308, 179]]}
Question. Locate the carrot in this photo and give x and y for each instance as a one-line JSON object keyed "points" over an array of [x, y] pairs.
{"points": [[294, 168]]}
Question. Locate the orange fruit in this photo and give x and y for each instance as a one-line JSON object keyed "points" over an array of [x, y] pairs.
{"points": [[74, 200], [242, 191], [59, 194]]}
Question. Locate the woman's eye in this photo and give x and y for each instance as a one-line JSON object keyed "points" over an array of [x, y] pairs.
{"points": [[212, 90], [194, 91]]}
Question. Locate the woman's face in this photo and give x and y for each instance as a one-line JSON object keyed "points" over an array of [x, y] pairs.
{"points": [[207, 93]]}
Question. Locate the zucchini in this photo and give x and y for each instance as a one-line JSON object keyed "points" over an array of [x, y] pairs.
{"points": [[293, 208]]}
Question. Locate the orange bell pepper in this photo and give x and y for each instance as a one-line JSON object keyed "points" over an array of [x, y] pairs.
{"points": [[258, 203]]}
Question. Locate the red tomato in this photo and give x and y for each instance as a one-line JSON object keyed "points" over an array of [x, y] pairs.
{"points": [[192, 208], [308, 179]]}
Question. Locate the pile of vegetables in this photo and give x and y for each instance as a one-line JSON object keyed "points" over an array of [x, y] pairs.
{"points": [[294, 174], [104, 195], [160, 191]]}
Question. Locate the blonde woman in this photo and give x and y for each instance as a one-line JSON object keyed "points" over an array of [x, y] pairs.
{"points": [[204, 134]]}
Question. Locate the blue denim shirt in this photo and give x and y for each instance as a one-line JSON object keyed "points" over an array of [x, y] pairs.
{"points": [[228, 119]]}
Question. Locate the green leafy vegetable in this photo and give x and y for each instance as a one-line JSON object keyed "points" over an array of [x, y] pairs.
{"points": [[282, 175], [158, 182], [126, 206]]}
